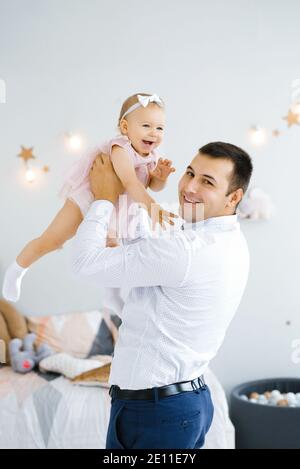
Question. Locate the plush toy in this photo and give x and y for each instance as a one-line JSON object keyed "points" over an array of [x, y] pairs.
{"points": [[23, 355], [256, 205], [12, 325], [18, 350]]}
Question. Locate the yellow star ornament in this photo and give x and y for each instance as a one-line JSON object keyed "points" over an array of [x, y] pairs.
{"points": [[292, 118], [26, 154]]}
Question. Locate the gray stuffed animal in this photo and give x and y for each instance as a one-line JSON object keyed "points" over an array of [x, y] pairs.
{"points": [[23, 355]]}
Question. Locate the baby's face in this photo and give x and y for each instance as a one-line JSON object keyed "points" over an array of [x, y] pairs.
{"points": [[145, 128]]}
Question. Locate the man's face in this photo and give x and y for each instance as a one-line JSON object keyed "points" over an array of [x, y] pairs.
{"points": [[202, 189]]}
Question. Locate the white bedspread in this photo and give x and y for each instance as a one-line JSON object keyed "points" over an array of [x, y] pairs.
{"points": [[47, 411]]}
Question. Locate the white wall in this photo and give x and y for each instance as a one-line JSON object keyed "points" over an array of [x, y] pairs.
{"points": [[221, 67]]}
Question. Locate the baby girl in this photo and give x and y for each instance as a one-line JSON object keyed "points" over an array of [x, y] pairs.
{"points": [[137, 164]]}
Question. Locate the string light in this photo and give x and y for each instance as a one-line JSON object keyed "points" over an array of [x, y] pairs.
{"points": [[257, 135], [30, 175], [74, 141]]}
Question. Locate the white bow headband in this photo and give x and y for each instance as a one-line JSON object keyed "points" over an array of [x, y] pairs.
{"points": [[143, 101]]}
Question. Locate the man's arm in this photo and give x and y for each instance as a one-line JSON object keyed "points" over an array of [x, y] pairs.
{"points": [[149, 262]]}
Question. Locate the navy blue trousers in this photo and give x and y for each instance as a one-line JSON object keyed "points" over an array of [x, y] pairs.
{"points": [[179, 421]]}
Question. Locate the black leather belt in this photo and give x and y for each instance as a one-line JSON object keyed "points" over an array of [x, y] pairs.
{"points": [[163, 391]]}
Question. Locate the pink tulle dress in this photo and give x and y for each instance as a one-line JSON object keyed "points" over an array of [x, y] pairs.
{"points": [[77, 187]]}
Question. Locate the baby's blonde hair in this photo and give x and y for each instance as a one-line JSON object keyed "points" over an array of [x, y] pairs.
{"points": [[129, 102]]}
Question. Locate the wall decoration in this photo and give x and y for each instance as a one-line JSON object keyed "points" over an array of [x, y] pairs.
{"points": [[73, 141], [257, 135], [26, 154], [292, 118]]}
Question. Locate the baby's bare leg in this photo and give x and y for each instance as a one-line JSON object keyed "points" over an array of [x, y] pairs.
{"points": [[62, 228]]}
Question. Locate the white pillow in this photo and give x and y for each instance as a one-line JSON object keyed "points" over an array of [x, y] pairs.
{"points": [[67, 365]]}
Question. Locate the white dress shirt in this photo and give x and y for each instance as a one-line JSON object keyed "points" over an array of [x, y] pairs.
{"points": [[184, 290]]}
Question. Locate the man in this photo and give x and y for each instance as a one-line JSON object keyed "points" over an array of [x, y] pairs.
{"points": [[185, 289]]}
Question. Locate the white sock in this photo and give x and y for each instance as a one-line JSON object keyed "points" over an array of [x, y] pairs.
{"points": [[12, 282]]}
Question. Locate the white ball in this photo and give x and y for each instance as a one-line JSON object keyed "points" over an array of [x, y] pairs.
{"points": [[262, 399], [291, 398], [275, 393], [274, 399], [253, 400], [244, 397]]}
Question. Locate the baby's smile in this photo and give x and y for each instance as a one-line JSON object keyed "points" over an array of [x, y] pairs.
{"points": [[148, 143]]}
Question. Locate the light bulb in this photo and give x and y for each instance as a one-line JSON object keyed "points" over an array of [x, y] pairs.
{"points": [[257, 135], [74, 142], [30, 175]]}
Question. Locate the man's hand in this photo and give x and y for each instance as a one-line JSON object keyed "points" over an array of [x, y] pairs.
{"points": [[105, 184]]}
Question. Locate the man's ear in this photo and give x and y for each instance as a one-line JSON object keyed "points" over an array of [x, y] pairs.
{"points": [[124, 126], [235, 198]]}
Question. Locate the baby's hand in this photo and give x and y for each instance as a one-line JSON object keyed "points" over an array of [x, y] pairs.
{"points": [[162, 170], [161, 216]]}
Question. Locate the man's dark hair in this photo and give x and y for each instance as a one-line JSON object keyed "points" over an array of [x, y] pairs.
{"points": [[242, 164]]}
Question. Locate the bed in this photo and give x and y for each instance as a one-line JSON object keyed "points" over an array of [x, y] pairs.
{"points": [[45, 410]]}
